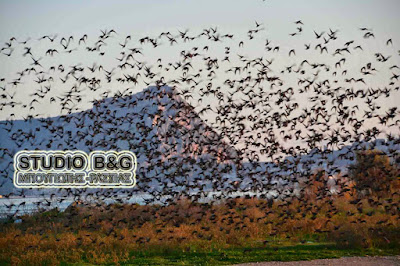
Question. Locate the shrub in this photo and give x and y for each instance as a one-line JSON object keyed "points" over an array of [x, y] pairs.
{"points": [[373, 173]]}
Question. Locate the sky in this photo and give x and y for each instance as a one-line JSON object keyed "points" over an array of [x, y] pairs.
{"points": [[35, 18], [30, 20], [23, 19]]}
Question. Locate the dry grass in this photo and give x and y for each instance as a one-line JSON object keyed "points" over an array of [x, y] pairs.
{"points": [[115, 233]]}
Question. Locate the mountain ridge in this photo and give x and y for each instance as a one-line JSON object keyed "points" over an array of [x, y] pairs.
{"points": [[156, 124]]}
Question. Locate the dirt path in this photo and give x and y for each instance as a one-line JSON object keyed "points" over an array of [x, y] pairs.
{"points": [[347, 261]]}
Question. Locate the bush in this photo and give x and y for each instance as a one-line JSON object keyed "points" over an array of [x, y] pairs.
{"points": [[374, 174]]}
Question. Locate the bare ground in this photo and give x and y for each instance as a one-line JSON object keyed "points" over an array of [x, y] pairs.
{"points": [[346, 261]]}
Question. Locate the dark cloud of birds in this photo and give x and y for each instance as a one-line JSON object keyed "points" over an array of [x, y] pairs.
{"points": [[225, 127]]}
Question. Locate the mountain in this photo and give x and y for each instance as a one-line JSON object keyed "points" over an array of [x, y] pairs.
{"points": [[173, 145], [176, 150]]}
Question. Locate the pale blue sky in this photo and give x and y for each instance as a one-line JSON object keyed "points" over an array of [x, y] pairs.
{"points": [[35, 18], [23, 19]]}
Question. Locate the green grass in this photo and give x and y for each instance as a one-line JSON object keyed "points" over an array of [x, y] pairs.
{"points": [[243, 255], [72, 238]]}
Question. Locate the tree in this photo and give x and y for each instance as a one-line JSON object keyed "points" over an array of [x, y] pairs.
{"points": [[373, 173]]}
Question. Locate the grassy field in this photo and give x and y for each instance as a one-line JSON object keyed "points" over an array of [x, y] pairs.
{"points": [[243, 255], [225, 234], [316, 225]]}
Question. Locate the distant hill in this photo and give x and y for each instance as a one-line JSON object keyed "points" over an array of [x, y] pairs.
{"points": [[175, 148], [168, 137]]}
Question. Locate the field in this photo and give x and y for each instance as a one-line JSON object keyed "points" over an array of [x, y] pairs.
{"points": [[186, 233]]}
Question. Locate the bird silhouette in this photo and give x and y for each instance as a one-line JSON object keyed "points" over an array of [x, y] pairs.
{"points": [[224, 142]]}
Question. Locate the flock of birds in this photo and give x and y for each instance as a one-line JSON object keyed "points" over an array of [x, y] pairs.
{"points": [[208, 127]]}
